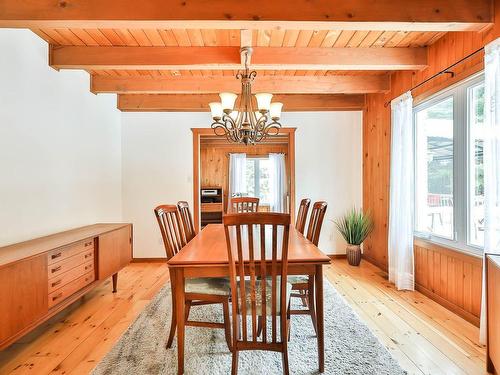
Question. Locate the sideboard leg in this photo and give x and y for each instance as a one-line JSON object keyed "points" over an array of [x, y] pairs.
{"points": [[115, 281]]}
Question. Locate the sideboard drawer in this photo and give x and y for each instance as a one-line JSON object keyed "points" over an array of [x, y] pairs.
{"points": [[63, 266], [70, 288], [61, 280], [62, 253]]}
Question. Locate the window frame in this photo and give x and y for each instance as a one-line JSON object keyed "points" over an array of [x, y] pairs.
{"points": [[256, 160], [461, 92]]}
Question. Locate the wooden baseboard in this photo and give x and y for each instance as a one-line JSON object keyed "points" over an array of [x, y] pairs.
{"points": [[337, 256], [449, 305], [149, 260], [383, 267]]}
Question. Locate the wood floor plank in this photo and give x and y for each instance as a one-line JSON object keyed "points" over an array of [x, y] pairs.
{"points": [[421, 335]]}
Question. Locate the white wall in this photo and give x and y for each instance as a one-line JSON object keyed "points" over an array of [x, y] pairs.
{"points": [[328, 166], [157, 167], [60, 154]]}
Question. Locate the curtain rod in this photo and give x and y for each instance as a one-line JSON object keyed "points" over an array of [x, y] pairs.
{"points": [[444, 71]]}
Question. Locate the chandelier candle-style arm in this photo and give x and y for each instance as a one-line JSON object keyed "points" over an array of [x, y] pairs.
{"points": [[241, 123]]}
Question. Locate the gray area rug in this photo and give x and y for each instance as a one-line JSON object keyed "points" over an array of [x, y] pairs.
{"points": [[350, 347]]}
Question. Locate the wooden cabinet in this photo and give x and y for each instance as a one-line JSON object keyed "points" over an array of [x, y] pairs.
{"points": [[23, 295], [40, 277], [115, 251], [493, 312]]}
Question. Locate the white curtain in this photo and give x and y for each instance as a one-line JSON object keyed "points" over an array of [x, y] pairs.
{"points": [[237, 167], [278, 183], [491, 161], [401, 206]]}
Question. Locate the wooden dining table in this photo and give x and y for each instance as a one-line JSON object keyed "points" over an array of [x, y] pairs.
{"points": [[206, 256]]}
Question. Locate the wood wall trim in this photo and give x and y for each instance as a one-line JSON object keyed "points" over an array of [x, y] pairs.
{"points": [[229, 58], [198, 132], [330, 84], [450, 306], [199, 102], [444, 15]]}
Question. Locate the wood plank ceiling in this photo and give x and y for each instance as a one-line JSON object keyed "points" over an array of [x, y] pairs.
{"points": [[323, 57]]}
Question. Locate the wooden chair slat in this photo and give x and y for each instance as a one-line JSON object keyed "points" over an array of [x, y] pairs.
{"points": [[243, 260], [300, 224], [244, 204]]}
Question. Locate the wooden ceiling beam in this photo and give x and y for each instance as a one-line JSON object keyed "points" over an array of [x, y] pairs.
{"points": [[199, 102], [438, 15], [228, 58], [339, 84]]}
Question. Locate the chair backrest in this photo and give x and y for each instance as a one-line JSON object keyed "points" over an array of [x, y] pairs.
{"points": [[187, 220], [258, 244], [244, 204], [171, 228], [316, 221], [300, 224]]}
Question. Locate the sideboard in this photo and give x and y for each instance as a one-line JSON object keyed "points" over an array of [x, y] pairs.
{"points": [[492, 265], [41, 277]]}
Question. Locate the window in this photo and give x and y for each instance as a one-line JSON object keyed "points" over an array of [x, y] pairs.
{"points": [[257, 179], [449, 166]]}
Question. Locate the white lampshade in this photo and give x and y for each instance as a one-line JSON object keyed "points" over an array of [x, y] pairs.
{"points": [[276, 110], [216, 109], [263, 101], [227, 99], [234, 115]]}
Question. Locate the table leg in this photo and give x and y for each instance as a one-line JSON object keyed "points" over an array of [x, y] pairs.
{"points": [[179, 307], [320, 317]]}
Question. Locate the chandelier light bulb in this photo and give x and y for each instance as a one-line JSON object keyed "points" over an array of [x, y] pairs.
{"points": [[227, 99], [216, 109], [275, 110], [264, 102]]}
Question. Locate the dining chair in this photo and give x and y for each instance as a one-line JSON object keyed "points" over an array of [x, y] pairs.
{"points": [[244, 204], [187, 220], [198, 291], [303, 285], [257, 246], [300, 224]]}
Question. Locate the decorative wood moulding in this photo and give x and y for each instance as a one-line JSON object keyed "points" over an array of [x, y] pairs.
{"points": [[228, 58], [335, 84], [199, 102], [443, 15]]}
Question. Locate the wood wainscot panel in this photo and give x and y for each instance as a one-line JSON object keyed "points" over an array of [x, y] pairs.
{"points": [[450, 277], [493, 313]]}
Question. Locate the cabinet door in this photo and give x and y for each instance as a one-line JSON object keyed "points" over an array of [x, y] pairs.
{"points": [[115, 251], [23, 295]]}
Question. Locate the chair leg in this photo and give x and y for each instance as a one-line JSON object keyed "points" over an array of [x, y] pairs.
{"points": [[284, 354], [227, 323], [312, 309], [187, 309], [173, 325], [304, 297], [234, 362]]}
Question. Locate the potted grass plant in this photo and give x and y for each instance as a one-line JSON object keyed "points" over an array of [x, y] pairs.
{"points": [[354, 226]]}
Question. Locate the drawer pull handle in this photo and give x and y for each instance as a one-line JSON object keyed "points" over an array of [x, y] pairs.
{"points": [[56, 269], [87, 267], [88, 255], [57, 297], [56, 283], [88, 244], [54, 256]]}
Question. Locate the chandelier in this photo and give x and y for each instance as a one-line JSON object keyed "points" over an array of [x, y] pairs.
{"points": [[244, 125]]}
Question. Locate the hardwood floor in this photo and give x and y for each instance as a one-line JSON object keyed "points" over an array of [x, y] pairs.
{"points": [[423, 336]]}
